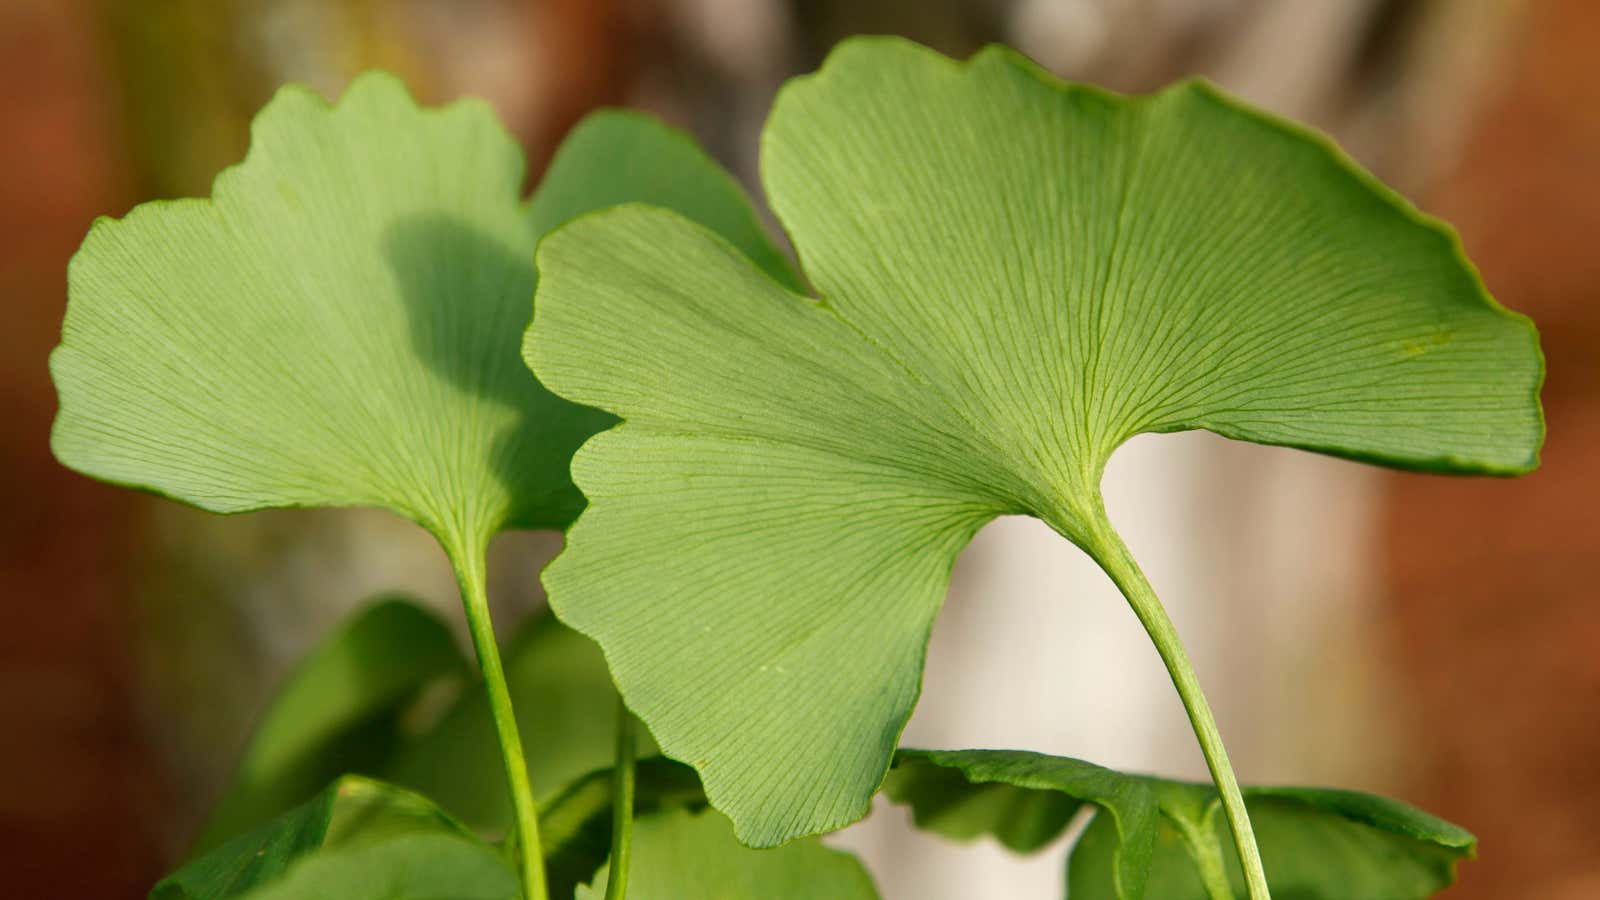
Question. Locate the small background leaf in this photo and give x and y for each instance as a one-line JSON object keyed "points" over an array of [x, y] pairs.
{"points": [[683, 855], [414, 867], [614, 157], [352, 814], [339, 711]]}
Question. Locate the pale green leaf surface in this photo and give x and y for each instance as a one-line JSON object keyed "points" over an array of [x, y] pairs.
{"points": [[1016, 275], [1316, 844], [338, 325], [414, 867], [339, 711], [685, 855], [352, 814]]}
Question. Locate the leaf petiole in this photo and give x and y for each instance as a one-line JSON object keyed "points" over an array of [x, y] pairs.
{"points": [[622, 784], [469, 568], [1103, 543], [1201, 837]]}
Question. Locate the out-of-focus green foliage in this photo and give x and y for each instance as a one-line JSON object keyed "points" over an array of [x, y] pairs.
{"points": [[357, 840]]}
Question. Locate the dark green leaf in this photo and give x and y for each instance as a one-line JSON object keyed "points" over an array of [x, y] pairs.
{"points": [[343, 708], [684, 855], [1026, 800], [1152, 834], [355, 831], [942, 800], [1016, 275], [339, 711], [616, 157], [575, 825]]}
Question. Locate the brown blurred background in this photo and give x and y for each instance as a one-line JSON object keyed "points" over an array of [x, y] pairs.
{"points": [[137, 640]]}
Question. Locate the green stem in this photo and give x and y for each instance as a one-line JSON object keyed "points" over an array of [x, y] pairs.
{"points": [[1112, 554], [622, 783], [475, 597]]}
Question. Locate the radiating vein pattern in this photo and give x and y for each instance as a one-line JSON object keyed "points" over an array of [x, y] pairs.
{"points": [[338, 325], [1013, 276]]}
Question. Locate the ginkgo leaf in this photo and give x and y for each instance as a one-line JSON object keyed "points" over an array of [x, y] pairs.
{"points": [[616, 156], [1015, 275], [576, 824], [357, 833], [338, 324], [335, 326], [338, 712], [955, 794], [414, 867], [349, 706], [1152, 835], [684, 855]]}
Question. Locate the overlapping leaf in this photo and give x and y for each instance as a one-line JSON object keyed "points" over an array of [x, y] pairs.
{"points": [[331, 328], [1152, 835], [1015, 276], [349, 708], [338, 325], [576, 824], [339, 712]]}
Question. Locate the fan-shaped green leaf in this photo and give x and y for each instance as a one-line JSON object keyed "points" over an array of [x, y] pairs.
{"points": [[359, 838], [1153, 835], [339, 711], [684, 855], [338, 324], [334, 327], [1016, 275]]}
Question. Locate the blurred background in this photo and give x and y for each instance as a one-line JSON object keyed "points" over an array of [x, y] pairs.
{"points": [[1433, 638]]}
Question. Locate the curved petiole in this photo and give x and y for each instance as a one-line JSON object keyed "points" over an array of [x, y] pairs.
{"points": [[622, 785], [1106, 547], [469, 567]]}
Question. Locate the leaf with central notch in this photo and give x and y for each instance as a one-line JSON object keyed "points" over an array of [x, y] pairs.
{"points": [[1014, 276], [338, 324]]}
